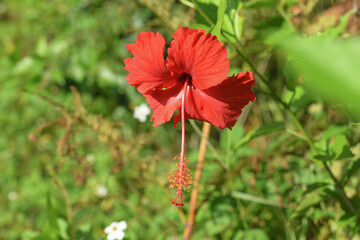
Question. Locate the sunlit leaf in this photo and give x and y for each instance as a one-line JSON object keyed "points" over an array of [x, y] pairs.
{"points": [[221, 16], [352, 169], [256, 234], [315, 186], [337, 30], [63, 228], [233, 22], [291, 76], [309, 201], [330, 67], [334, 130], [346, 219], [260, 4], [52, 215], [334, 149]]}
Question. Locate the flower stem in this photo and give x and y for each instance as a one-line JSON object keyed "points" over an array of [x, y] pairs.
{"points": [[202, 150], [58, 182]]}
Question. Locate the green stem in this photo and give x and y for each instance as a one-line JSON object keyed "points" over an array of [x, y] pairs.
{"points": [[281, 11], [64, 193], [342, 192]]}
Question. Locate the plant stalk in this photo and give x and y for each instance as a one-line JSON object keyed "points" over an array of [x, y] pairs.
{"points": [[194, 195]]}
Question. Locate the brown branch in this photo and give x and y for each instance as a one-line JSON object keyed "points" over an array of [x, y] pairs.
{"points": [[42, 127], [202, 150]]}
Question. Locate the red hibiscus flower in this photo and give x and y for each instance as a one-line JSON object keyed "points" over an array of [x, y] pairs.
{"points": [[193, 80]]}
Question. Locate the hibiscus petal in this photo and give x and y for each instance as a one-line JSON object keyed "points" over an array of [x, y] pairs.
{"points": [[199, 55], [147, 68], [220, 105], [165, 102]]}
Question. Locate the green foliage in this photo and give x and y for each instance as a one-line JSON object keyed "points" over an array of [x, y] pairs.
{"points": [[262, 130], [260, 4], [288, 170], [330, 63]]}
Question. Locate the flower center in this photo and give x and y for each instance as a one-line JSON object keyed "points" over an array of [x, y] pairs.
{"points": [[186, 77], [181, 177]]}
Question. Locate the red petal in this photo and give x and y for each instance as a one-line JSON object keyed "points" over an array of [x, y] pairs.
{"points": [[200, 55], [165, 102], [147, 68], [220, 105]]}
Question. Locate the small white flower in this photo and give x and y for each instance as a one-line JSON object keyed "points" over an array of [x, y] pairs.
{"points": [[90, 158], [115, 230], [141, 112], [12, 196], [137, 21], [101, 190], [315, 108]]}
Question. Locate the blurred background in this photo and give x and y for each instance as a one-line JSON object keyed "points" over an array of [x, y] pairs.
{"points": [[77, 151]]}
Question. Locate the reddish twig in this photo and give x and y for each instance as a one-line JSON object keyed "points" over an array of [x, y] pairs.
{"points": [[202, 150]]}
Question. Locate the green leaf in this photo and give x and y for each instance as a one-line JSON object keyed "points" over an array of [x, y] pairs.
{"points": [[220, 18], [343, 22], [315, 186], [336, 148], [341, 148], [330, 67], [29, 235], [233, 23], [206, 12], [52, 215], [188, 3], [309, 201], [352, 169], [27, 65], [260, 131], [84, 231], [346, 219], [48, 233], [232, 135], [290, 75], [256, 234], [200, 26], [63, 228], [251, 198], [300, 100], [236, 132], [260, 4], [42, 47], [334, 130]]}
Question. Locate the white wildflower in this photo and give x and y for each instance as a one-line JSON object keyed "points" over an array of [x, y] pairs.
{"points": [[90, 158], [12, 196], [3, 8], [315, 108], [115, 230], [141, 112], [101, 191], [137, 21]]}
